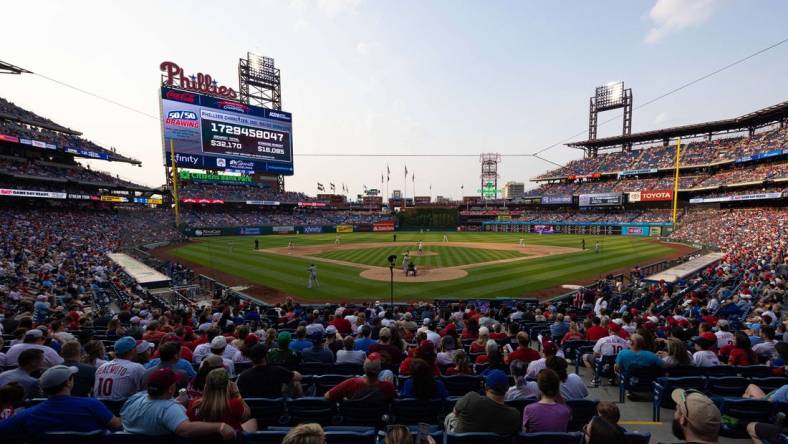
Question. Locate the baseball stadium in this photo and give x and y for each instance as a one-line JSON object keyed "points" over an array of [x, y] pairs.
{"points": [[622, 285]]}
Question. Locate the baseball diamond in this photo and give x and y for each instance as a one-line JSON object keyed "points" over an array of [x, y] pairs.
{"points": [[470, 265]]}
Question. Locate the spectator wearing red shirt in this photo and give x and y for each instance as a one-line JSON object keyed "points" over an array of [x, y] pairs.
{"points": [[343, 325], [221, 402], [471, 330], [478, 346], [366, 387], [426, 351], [741, 352], [596, 332], [523, 352], [152, 333], [573, 334], [498, 333], [186, 352], [461, 365]]}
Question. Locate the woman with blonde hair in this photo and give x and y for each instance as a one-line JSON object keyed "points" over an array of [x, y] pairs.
{"points": [[305, 434], [221, 402], [676, 355]]}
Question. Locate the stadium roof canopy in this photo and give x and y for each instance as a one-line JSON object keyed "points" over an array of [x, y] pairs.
{"points": [[757, 119]]}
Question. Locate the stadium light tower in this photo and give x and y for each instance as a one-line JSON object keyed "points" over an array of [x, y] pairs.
{"points": [[259, 84], [608, 97], [489, 176]]}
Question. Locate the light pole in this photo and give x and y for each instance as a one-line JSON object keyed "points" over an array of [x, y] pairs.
{"points": [[392, 262]]}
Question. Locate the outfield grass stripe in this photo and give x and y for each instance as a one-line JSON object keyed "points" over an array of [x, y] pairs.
{"points": [[342, 282]]}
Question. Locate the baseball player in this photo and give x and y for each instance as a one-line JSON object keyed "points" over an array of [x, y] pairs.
{"points": [[336, 241], [421, 247], [522, 241], [405, 262], [231, 244], [290, 245], [312, 269], [119, 378], [597, 248], [445, 238]]}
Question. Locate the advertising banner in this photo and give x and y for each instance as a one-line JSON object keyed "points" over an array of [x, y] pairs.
{"points": [[82, 196], [114, 199], [31, 193], [312, 230], [85, 153], [655, 232], [584, 176], [281, 229], [311, 204], [214, 178], [201, 200], [651, 196], [38, 144], [634, 231], [207, 232], [556, 200], [262, 202], [214, 133], [544, 229], [383, 226], [8, 138], [761, 155], [638, 172], [250, 230], [601, 200], [344, 228], [741, 197]]}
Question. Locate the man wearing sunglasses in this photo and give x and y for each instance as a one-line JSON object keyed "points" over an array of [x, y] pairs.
{"points": [[697, 419]]}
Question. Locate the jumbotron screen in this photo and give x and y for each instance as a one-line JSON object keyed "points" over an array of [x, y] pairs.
{"points": [[217, 134]]}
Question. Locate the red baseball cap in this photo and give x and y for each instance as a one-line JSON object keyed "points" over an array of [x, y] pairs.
{"points": [[162, 379]]}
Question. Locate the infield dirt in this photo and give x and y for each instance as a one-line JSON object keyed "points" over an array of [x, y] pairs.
{"points": [[424, 274]]}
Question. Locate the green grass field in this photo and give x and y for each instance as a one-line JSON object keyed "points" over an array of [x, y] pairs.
{"points": [[342, 282], [446, 256]]}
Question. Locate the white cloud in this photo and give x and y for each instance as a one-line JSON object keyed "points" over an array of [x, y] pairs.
{"points": [[300, 24], [333, 8], [674, 15], [661, 118], [364, 48]]}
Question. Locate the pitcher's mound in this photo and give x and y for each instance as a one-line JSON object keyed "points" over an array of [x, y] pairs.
{"points": [[424, 274]]}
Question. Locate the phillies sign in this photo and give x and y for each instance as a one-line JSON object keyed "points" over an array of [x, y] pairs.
{"points": [[201, 83], [651, 196]]}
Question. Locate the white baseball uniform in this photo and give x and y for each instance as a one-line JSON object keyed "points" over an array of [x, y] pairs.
{"points": [[118, 379], [610, 345]]}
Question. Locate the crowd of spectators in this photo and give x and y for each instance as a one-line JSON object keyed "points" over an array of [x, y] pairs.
{"points": [[127, 359], [21, 123], [735, 229], [694, 153], [61, 172], [239, 193], [569, 215], [696, 180], [222, 218]]}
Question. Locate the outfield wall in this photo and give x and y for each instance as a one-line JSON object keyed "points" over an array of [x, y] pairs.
{"points": [[603, 228], [287, 229]]}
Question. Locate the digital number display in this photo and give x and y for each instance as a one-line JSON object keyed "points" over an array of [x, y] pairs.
{"points": [[234, 139]]}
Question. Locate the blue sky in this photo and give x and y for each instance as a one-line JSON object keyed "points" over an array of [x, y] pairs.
{"points": [[400, 76]]}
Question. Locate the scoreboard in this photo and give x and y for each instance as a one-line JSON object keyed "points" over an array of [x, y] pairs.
{"points": [[219, 134]]}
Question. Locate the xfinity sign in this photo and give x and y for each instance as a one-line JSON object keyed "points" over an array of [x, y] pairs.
{"points": [[186, 159]]}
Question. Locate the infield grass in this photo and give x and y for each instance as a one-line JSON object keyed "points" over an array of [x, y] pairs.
{"points": [[236, 256], [445, 256]]}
